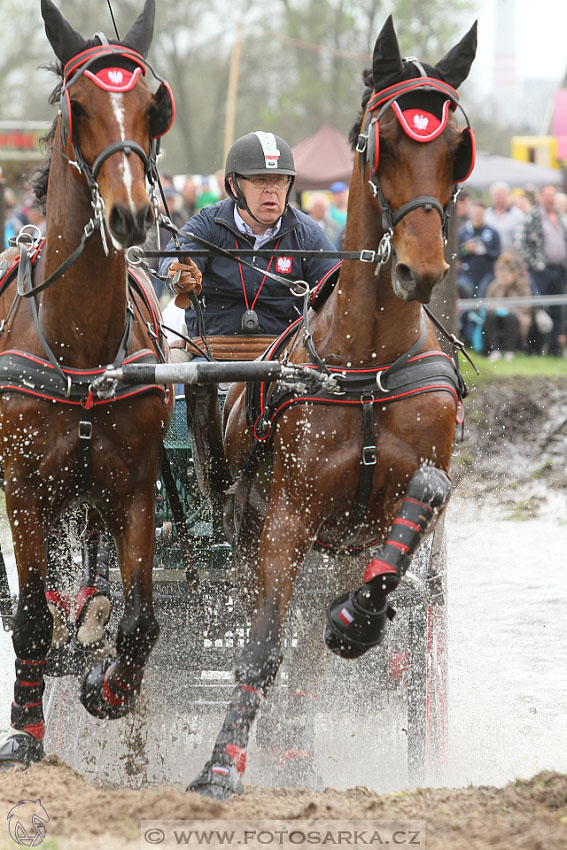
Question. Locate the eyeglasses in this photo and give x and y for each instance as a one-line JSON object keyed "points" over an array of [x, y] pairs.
{"points": [[280, 181]]}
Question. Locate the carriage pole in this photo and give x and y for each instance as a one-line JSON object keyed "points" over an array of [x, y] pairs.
{"points": [[199, 373]]}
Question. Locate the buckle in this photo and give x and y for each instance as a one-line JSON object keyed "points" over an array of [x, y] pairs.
{"points": [[85, 430], [361, 143], [369, 455], [367, 255]]}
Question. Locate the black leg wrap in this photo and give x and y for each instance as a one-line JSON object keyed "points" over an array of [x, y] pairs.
{"points": [[96, 558], [26, 744], [352, 630], [221, 776], [19, 751], [356, 621], [110, 689], [136, 637], [429, 485]]}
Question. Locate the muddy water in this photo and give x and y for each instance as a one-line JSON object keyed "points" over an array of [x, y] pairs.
{"points": [[508, 645], [507, 597]]}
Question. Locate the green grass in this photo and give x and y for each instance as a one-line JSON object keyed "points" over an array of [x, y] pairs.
{"points": [[520, 366]]}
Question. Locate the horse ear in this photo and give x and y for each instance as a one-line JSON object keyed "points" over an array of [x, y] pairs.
{"points": [[162, 112], [456, 64], [139, 36], [64, 39], [387, 66]]}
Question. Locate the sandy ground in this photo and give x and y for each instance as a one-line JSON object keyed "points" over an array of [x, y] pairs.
{"points": [[527, 420], [528, 814]]}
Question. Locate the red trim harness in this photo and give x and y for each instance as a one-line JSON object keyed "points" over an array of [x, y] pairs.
{"points": [[431, 371], [35, 376]]}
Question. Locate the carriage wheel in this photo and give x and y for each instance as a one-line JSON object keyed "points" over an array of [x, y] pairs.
{"points": [[427, 685]]}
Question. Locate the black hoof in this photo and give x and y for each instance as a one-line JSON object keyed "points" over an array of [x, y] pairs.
{"points": [[99, 700], [19, 751], [350, 630], [218, 780]]}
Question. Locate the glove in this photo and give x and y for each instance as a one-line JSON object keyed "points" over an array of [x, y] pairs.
{"points": [[188, 280]]}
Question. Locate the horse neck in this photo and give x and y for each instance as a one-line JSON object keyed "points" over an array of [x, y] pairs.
{"points": [[83, 312], [368, 322]]}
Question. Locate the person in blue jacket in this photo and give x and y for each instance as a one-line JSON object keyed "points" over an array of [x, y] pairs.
{"points": [[236, 299], [259, 176]]}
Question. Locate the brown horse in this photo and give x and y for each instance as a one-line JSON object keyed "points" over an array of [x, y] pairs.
{"points": [[73, 311], [365, 464]]}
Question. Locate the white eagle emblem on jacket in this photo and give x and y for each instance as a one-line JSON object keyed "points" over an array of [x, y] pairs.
{"points": [[283, 265]]}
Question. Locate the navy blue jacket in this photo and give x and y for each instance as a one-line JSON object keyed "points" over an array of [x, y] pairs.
{"points": [[222, 297], [478, 266]]}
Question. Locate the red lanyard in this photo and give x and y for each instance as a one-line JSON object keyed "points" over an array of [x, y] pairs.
{"points": [[263, 279]]}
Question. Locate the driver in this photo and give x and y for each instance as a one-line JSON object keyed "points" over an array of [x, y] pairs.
{"points": [[259, 177], [236, 299]]}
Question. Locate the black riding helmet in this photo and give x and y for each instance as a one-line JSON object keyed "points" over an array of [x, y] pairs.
{"points": [[257, 153]]}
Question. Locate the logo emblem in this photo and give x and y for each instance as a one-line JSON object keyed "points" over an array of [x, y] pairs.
{"points": [[26, 823], [283, 265], [115, 77], [420, 122]]}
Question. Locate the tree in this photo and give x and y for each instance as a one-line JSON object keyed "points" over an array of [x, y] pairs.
{"points": [[301, 61]]}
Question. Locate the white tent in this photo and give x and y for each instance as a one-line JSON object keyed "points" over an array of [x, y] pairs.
{"points": [[489, 169]]}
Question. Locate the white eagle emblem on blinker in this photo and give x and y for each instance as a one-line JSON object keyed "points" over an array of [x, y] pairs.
{"points": [[115, 77], [283, 265], [420, 122]]}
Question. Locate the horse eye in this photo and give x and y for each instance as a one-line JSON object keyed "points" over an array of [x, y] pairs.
{"points": [[77, 109]]}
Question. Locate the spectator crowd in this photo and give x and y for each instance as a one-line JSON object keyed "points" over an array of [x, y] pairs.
{"points": [[515, 246]]}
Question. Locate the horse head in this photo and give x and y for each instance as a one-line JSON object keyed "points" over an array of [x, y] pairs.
{"points": [[110, 120], [412, 154]]}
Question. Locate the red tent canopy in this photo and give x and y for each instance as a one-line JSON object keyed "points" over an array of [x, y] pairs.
{"points": [[322, 159]]}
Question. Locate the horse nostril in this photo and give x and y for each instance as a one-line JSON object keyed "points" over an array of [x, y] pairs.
{"points": [[405, 276], [145, 218], [121, 222], [128, 229]]}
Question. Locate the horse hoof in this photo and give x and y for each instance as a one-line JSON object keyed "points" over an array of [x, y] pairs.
{"points": [[92, 619], [217, 781], [350, 630], [99, 699], [19, 751]]}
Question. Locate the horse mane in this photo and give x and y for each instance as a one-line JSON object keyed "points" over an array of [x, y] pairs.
{"points": [[38, 177], [368, 81]]}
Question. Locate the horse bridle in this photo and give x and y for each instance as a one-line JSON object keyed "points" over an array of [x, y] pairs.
{"points": [[77, 67], [368, 152]]}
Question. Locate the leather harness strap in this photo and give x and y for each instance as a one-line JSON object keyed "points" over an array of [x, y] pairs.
{"points": [[48, 379]]}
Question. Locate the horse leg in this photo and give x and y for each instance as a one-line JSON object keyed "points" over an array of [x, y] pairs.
{"points": [[280, 557], [204, 424], [356, 621], [111, 687], [295, 753], [59, 566], [92, 602], [31, 637]]}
